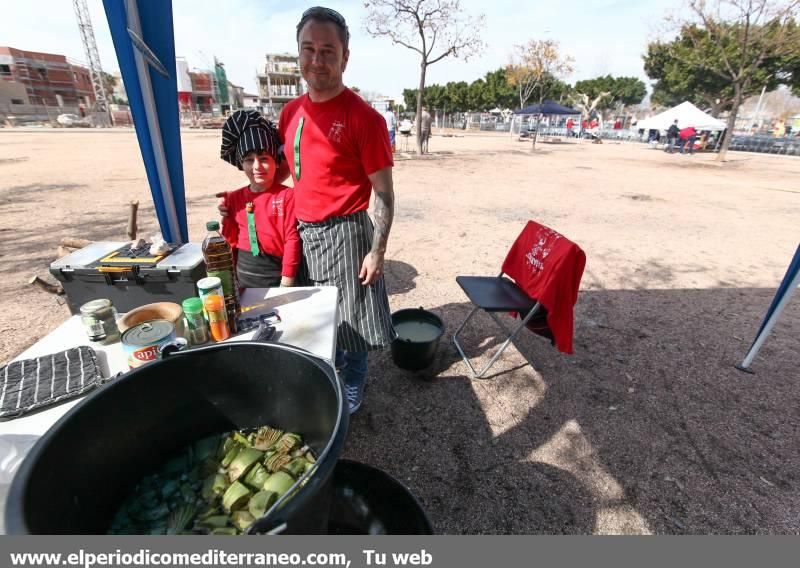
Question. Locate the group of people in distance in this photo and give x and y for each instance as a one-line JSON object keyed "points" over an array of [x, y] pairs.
{"points": [[680, 138]]}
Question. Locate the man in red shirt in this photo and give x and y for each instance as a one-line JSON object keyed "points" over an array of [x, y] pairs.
{"points": [[338, 152]]}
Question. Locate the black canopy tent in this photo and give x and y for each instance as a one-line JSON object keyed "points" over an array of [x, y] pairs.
{"points": [[545, 108]]}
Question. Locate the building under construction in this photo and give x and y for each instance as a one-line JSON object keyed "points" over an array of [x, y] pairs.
{"points": [[279, 83], [48, 78]]}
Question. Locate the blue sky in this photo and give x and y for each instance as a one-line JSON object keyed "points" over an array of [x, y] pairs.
{"points": [[604, 36]]}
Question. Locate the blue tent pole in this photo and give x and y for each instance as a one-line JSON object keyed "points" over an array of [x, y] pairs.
{"points": [[143, 37], [788, 285]]}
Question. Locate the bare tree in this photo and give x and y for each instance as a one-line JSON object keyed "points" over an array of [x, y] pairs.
{"points": [[732, 38], [586, 105], [433, 28], [532, 64]]}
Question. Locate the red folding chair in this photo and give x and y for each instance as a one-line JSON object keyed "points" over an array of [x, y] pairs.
{"points": [[545, 270]]}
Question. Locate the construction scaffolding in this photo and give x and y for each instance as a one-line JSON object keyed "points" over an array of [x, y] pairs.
{"points": [[280, 82], [100, 109]]}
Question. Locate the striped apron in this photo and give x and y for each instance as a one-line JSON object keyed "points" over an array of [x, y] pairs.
{"points": [[333, 251]]}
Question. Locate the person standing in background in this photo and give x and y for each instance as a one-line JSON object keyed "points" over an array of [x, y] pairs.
{"points": [[672, 137], [425, 129], [391, 125]]}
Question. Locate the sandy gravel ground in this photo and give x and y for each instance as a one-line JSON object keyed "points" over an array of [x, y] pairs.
{"points": [[648, 428]]}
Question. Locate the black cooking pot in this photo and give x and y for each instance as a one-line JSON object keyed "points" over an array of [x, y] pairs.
{"points": [[80, 471], [367, 500], [416, 350]]}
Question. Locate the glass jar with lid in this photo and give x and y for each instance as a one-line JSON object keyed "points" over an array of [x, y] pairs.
{"points": [[99, 318], [196, 330]]}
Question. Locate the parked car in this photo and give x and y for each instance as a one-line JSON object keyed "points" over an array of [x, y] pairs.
{"points": [[72, 120]]}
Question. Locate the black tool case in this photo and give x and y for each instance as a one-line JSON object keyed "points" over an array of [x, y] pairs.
{"points": [[129, 278]]}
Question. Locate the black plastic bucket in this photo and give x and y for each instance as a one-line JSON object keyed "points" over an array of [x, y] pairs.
{"points": [[367, 500], [418, 335], [81, 470]]}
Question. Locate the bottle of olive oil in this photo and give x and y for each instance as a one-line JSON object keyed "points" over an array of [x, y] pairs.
{"points": [[219, 262]]}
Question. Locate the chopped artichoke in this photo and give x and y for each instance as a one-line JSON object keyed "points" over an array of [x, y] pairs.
{"points": [[205, 448], [279, 482], [214, 486], [241, 439], [276, 461], [231, 455], [217, 485], [244, 460], [242, 520], [256, 477], [295, 468], [235, 497], [225, 531], [261, 502], [179, 519], [213, 522], [288, 442], [266, 437]]}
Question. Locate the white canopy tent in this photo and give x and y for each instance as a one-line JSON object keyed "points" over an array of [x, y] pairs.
{"points": [[687, 115]]}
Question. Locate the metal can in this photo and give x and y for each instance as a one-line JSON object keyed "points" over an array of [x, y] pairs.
{"points": [[211, 286], [100, 320], [142, 342]]}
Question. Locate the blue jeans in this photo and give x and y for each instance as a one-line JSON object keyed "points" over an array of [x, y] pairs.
{"points": [[353, 366]]}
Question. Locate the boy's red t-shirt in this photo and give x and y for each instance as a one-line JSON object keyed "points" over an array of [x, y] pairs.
{"points": [[342, 142], [276, 224]]}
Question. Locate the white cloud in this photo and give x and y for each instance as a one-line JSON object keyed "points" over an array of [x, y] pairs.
{"points": [[605, 36]]}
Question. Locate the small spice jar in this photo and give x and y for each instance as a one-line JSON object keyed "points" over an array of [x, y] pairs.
{"points": [[217, 318], [99, 318], [196, 330]]}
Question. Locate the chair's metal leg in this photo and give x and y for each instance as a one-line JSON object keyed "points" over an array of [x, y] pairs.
{"points": [[458, 345], [511, 336]]}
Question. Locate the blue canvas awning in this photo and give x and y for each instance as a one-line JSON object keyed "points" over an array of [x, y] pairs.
{"points": [[547, 107], [144, 41], [789, 284]]}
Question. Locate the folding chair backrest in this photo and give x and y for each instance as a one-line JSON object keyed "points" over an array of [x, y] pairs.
{"points": [[548, 267]]}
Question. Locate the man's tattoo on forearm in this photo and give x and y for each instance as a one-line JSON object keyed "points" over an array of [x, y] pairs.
{"points": [[384, 213]]}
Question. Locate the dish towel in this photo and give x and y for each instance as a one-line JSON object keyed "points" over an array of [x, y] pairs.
{"points": [[35, 383]]}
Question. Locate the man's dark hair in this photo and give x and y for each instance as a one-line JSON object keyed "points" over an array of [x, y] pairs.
{"points": [[322, 14]]}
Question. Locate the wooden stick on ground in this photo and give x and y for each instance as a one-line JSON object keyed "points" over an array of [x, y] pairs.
{"points": [[134, 208], [75, 243], [45, 285]]}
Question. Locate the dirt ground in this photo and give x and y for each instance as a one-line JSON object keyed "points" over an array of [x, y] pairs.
{"points": [[648, 428]]}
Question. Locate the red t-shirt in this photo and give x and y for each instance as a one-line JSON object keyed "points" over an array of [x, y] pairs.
{"points": [[548, 267], [342, 141], [276, 224]]}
